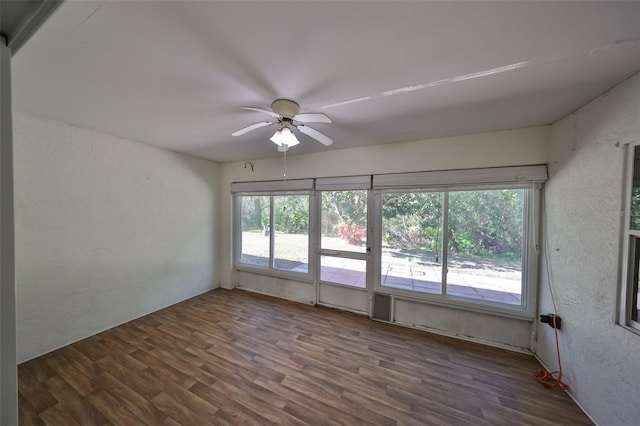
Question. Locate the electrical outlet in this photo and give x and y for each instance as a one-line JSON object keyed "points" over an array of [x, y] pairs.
{"points": [[549, 319]]}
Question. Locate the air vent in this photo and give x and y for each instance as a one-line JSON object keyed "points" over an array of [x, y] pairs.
{"points": [[381, 307]]}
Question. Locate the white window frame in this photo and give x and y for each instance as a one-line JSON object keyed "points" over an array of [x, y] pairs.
{"points": [[529, 178], [626, 285], [271, 270], [530, 251]]}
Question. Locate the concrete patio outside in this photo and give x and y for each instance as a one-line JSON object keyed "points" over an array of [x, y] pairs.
{"points": [[464, 279]]}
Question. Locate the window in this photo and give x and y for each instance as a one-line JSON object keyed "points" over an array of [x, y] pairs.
{"points": [[462, 238], [634, 300], [256, 225], [274, 232], [463, 244], [291, 233], [411, 251], [629, 296], [485, 236], [344, 220]]}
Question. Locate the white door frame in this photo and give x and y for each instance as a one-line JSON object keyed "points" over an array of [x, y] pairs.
{"points": [[336, 288]]}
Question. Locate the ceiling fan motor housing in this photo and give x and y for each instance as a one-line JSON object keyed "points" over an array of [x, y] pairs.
{"points": [[285, 108]]}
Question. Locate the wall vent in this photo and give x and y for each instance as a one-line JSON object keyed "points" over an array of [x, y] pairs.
{"points": [[381, 307]]}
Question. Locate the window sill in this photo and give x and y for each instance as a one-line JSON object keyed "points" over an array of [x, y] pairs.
{"points": [[350, 287], [294, 276], [630, 328]]}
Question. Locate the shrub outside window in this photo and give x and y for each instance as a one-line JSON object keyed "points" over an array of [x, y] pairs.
{"points": [[463, 244]]}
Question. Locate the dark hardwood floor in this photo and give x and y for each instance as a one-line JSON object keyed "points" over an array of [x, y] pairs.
{"points": [[233, 357]]}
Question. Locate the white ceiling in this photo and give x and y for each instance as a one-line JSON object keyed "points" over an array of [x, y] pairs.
{"points": [[174, 74]]}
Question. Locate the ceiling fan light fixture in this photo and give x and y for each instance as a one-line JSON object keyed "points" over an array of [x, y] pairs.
{"points": [[284, 137]]}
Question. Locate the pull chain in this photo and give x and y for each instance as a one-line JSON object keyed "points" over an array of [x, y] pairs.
{"points": [[285, 164]]}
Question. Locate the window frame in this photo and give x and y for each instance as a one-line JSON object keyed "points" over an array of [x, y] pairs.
{"points": [[628, 268], [530, 178], [530, 248], [271, 270]]}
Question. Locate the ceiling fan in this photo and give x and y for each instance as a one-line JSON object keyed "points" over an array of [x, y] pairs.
{"points": [[286, 115]]}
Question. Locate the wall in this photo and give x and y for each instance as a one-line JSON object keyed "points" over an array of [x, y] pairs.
{"points": [[107, 230], [8, 373], [505, 148], [600, 359], [298, 291]]}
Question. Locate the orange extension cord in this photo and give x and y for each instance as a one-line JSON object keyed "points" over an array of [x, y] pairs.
{"points": [[549, 378]]}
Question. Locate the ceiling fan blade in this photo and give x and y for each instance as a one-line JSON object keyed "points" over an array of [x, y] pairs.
{"points": [[312, 117], [315, 134], [271, 113], [250, 128]]}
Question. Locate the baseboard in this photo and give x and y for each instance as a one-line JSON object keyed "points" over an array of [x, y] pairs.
{"points": [[175, 302], [573, 398], [460, 337]]}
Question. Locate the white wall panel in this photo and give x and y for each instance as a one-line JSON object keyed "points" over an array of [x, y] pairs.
{"points": [[286, 288], [484, 328], [344, 297], [107, 230]]}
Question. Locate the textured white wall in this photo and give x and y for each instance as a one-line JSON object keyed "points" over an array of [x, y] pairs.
{"points": [[8, 373], [601, 360], [505, 148], [107, 230]]}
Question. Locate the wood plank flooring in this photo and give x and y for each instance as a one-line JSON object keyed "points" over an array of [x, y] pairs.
{"points": [[232, 357]]}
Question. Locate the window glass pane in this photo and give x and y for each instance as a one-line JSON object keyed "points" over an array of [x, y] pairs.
{"points": [[485, 245], [635, 191], [630, 285], [411, 241], [344, 220], [635, 310], [255, 212], [634, 304], [291, 237], [345, 271]]}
